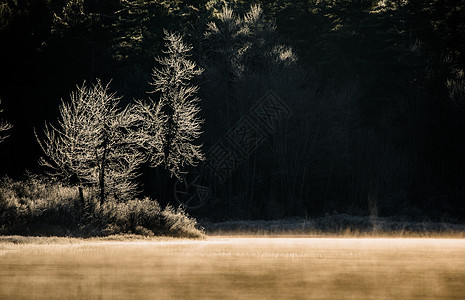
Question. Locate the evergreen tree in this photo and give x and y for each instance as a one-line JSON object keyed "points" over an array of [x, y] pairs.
{"points": [[176, 109]]}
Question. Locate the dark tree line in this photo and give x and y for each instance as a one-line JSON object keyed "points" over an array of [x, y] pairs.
{"points": [[376, 90]]}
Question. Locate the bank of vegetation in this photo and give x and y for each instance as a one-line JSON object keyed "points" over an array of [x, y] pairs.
{"points": [[40, 207]]}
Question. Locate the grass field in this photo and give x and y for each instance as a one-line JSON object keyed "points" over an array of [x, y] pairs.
{"points": [[233, 268]]}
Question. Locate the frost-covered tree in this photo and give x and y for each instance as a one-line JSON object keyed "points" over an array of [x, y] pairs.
{"points": [[172, 118], [95, 143], [4, 127], [150, 130]]}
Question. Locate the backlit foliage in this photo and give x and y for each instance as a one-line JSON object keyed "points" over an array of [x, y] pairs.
{"points": [[245, 44], [40, 206], [176, 106], [94, 143]]}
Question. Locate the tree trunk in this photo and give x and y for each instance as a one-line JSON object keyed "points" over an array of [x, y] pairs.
{"points": [[169, 136], [102, 184], [81, 195], [102, 176], [171, 190]]}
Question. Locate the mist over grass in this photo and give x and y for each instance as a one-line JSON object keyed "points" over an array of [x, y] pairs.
{"points": [[39, 206], [236, 268]]}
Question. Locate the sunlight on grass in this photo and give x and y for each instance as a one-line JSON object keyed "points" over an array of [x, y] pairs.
{"points": [[232, 268]]}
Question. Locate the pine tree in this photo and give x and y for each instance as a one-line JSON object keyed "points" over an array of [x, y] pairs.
{"points": [[176, 109]]}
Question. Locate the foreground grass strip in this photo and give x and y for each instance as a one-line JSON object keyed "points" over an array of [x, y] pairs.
{"points": [[236, 267]]}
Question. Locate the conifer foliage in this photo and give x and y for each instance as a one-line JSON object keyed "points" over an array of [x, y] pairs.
{"points": [[176, 107], [98, 144], [94, 143]]}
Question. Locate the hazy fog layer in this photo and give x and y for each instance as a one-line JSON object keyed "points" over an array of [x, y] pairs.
{"points": [[232, 268]]}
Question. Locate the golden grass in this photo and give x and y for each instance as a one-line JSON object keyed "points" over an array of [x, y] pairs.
{"points": [[235, 268]]}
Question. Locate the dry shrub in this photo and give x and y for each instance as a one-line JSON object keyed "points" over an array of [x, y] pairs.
{"points": [[40, 206]]}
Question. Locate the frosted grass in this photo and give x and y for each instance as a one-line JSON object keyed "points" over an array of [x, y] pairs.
{"points": [[235, 268]]}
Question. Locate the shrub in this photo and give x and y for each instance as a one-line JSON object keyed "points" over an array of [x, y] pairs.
{"points": [[146, 217], [40, 206], [29, 206]]}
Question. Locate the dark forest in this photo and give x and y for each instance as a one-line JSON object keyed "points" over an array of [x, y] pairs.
{"points": [[309, 107]]}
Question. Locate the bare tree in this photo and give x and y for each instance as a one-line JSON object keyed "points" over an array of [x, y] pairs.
{"points": [[95, 143], [4, 127], [174, 124]]}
